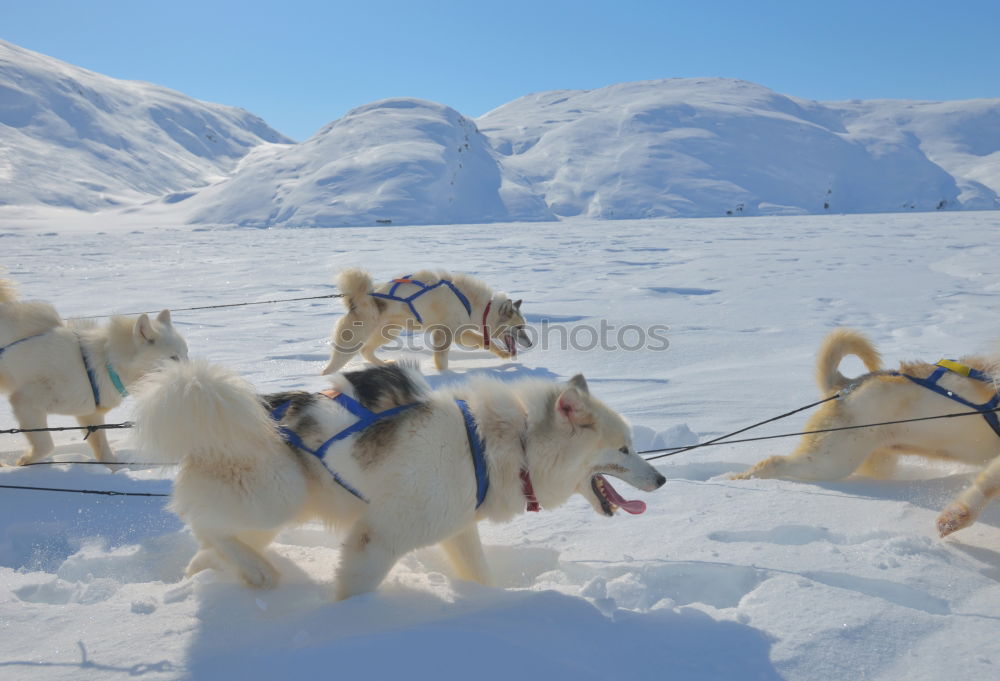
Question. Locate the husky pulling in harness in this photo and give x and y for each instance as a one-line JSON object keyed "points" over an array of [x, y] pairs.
{"points": [[914, 391], [240, 482]]}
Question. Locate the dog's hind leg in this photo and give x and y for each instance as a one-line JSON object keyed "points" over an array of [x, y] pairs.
{"points": [[386, 334], [880, 464], [207, 558], [465, 551], [29, 416], [350, 335], [258, 539], [97, 439], [821, 457], [365, 560], [964, 510], [441, 341], [252, 567]]}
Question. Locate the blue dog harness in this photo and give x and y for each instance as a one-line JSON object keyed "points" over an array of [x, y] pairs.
{"points": [[478, 450], [946, 365], [10, 345], [366, 418], [91, 375], [422, 288]]}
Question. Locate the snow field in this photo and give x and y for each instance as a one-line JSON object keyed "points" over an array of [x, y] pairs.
{"points": [[718, 579]]}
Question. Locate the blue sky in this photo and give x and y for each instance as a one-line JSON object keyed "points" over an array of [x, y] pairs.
{"points": [[301, 63]]}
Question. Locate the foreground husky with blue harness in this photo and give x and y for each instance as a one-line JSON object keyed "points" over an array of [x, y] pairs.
{"points": [[916, 390], [394, 464]]}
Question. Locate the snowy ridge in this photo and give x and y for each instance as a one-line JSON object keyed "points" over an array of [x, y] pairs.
{"points": [[73, 138], [668, 148], [681, 147]]}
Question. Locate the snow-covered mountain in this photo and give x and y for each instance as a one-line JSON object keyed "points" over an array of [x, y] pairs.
{"points": [[398, 160], [666, 148], [708, 147], [676, 148], [962, 137], [73, 138]]}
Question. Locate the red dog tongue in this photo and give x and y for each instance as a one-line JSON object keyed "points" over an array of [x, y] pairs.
{"points": [[511, 344], [634, 507]]}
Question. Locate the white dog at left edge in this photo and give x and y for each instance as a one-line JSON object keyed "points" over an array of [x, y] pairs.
{"points": [[251, 465], [75, 368]]}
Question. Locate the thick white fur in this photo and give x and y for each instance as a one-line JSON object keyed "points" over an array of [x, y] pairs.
{"points": [[46, 375], [239, 483], [369, 325], [873, 451], [8, 291]]}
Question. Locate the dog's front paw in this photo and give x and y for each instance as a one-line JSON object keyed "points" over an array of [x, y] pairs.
{"points": [[954, 518], [501, 352], [260, 577], [25, 460]]}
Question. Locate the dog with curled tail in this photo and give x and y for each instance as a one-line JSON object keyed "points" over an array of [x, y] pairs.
{"points": [[915, 390], [452, 308]]}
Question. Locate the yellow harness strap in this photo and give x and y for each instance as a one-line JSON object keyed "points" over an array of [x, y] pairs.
{"points": [[957, 367]]}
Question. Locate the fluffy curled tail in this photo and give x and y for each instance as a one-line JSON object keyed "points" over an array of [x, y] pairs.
{"points": [[8, 291], [837, 345], [356, 285], [199, 412], [355, 327]]}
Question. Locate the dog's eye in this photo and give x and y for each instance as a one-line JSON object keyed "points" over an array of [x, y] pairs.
{"points": [[175, 358], [623, 450]]}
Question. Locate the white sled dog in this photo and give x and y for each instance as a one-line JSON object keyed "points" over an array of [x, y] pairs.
{"points": [[916, 390], [79, 369], [454, 308], [410, 479]]}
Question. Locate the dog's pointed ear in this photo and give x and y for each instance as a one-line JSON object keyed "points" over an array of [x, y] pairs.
{"points": [[142, 330], [580, 383], [164, 317], [571, 406], [517, 304]]}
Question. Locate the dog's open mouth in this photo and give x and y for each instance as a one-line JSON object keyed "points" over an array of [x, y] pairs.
{"points": [[611, 500], [509, 343], [514, 337]]}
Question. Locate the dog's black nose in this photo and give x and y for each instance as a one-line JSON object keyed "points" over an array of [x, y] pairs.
{"points": [[660, 480]]}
